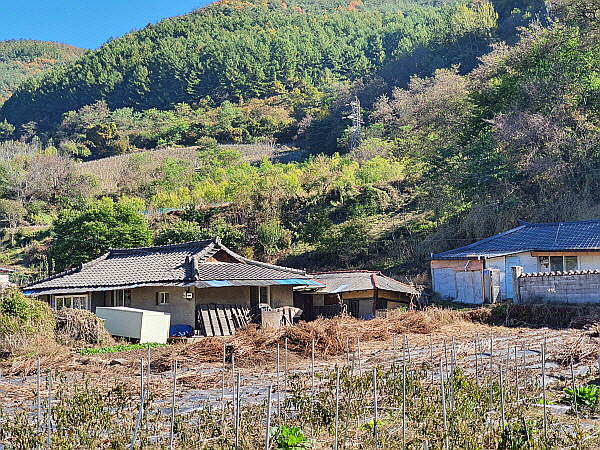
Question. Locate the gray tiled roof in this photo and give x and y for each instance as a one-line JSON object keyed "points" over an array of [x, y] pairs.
{"points": [[337, 282], [560, 236], [180, 263]]}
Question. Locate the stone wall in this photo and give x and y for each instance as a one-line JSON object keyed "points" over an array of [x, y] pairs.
{"points": [[560, 287]]}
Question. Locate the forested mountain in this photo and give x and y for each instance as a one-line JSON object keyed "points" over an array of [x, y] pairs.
{"points": [[459, 140], [21, 59], [240, 50]]}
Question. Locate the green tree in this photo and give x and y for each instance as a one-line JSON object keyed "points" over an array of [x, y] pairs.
{"points": [[80, 236]]}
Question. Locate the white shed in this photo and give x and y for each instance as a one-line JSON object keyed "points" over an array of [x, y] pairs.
{"points": [[147, 326]]}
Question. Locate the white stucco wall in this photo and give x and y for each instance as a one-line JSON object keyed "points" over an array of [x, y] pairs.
{"points": [[281, 295], [504, 263], [465, 286], [587, 262], [182, 310]]}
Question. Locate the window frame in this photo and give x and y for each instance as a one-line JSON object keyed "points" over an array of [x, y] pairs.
{"points": [[71, 303], [162, 298], [547, 267], [122, 297], [259, 290]]}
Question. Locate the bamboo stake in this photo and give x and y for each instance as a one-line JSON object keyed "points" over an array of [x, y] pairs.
{"points": [[394, 351], [49, 425], [39, 398], [544, 388], [141, 377], [237, 413], [268, 434], [138, 421], [453, 355], [337, 407], [350, 391], [431, 361], [574, 389], [278, 389], [285, 381], [375, 407], [445, 416], [171, 434], [524, 372], [502, 399], [223, 381], [347, 351], [148, 376], [516, 374], [403, 406], [476, 363], [491, 374]]}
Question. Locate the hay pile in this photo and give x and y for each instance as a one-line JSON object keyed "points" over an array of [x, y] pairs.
{"points": [[81, 326], [255, 345]]}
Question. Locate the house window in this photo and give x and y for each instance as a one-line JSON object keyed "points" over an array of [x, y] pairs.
{"points": [[71, 301], [558, 263], [122, 298], [259, 294], [162, 298], [353, 308], [382, 303]]}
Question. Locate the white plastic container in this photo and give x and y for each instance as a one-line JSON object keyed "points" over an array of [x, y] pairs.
{"points": [[142, 324]]}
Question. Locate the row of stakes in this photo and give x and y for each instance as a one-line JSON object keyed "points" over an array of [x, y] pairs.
{"points": [[444, 363]]}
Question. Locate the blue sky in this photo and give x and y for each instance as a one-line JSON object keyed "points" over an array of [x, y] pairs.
{"points": [[84, 23]]}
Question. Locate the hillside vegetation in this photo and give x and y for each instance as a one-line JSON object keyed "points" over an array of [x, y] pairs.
{"points": [[22, 59], [448, 153]]}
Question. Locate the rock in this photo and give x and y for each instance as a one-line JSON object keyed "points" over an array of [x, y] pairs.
{"points": [[119, 361]]}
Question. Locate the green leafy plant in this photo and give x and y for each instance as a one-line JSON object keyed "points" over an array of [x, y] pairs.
{"points": [[290, 438], [585, 396], [118, 348]]}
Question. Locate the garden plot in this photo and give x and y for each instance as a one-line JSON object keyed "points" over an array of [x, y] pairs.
{"points": [[432, 390]]}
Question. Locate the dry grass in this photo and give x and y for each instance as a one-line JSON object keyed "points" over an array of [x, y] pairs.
{"points": [[81, 327], [254, 346]]}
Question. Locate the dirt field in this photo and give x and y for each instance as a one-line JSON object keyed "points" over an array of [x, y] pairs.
{"points": [[454, 339]]}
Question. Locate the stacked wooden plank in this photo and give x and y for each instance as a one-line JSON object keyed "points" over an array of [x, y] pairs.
{"points": [[221, 320]]}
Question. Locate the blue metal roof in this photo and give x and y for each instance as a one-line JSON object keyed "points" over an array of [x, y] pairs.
{"points": [[559, 236], [299, 281]]}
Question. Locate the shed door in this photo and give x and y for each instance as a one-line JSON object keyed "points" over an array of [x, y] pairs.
{"points": [[510, 262]]}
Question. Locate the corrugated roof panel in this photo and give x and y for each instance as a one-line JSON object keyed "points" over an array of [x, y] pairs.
{"points": [[218, 283], [339, 289]]}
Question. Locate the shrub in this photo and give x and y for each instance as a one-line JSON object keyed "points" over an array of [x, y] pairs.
{"points": [[23, 321]]}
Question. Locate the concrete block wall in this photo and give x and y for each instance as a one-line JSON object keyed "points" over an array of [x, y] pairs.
{"points": [[560, 287]]}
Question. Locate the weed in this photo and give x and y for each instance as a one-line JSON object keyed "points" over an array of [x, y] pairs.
{"points": [[586, 396], [118, 348], [290, 438]]}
